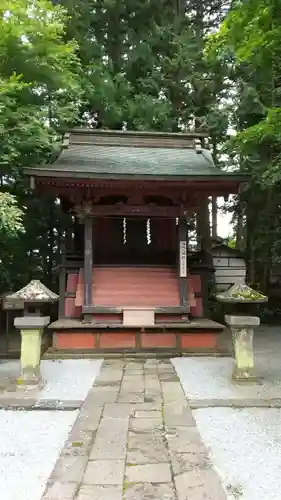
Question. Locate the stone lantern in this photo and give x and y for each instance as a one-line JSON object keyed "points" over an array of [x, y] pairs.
{"points": [[31, 325], [242, 319]]}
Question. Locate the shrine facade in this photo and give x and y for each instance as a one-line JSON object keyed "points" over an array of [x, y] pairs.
{"points": [[127, 281]]}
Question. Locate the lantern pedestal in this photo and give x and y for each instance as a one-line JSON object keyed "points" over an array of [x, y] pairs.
{"points": [[242, 330], [31, 329]]}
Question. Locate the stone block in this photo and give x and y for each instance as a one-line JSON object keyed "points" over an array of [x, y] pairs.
{"points": [[128, 397], [111, 438], [146, 425], [148, 414], [116, 410], [149, 473], [69, 469], [104, 472], [146, 448], [178, 415], [79, 442], [31, 322], [241, 321], [145, 491], [199, 483], [60, 491], [184, 462], [95, 492], [182, 439]]}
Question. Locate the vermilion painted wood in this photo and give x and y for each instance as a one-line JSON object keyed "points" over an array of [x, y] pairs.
{"points": [[118, 340], [132, 286], [72, 280], [68, 340], [192, 342], [150, 340], [199, 341], [197, 310], [70, 309]]}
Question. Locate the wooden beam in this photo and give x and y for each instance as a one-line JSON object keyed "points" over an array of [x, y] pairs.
{"points": [[183, 261], [88, 260], [133, 210]]}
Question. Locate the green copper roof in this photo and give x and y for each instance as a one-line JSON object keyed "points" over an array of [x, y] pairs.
{"points": [[121, 155]]}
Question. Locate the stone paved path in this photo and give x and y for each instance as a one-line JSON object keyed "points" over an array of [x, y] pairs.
{"points": [[135, 439]]}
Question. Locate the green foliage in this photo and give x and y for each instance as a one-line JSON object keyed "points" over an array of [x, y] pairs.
{"points": [[10, 214], [248, 46], [40, 95]]}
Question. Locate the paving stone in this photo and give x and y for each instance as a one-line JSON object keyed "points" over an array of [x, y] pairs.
{"points": [[172, 392], [111, 438], [152, 383], [148, 473], [69, 469], [183, 439], [150, 361], [128, 397], [146, 424], [89, 418], [134, 365], [148, 491], [117, 410], [148, 414], [78, 443], [199, 484], [177, 415], [100, 395], [60, 491], [104, 472], [149, 406], [151, 396], [110, 376], [101, 431], [169, 377], [146, 448], [133, 373], [129, 387], [184, 462], [94, 492]]}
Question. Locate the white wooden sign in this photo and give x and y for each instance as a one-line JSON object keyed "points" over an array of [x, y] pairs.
{"points": [[183, 259]]}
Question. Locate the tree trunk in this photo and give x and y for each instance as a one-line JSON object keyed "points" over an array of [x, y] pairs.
{"points": [[214, 218], [239, 239], [203, 226]]}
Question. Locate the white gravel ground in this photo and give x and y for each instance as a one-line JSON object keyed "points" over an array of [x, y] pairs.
{"points": [[68, 379], [245, 446], [30, 443], [210, 378]]}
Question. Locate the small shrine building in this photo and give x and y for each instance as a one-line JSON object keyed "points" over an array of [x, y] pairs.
{"points": [[126, 279]]}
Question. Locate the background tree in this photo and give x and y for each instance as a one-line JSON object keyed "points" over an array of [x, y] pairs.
{"points": [[39, 97], [249, 44]]}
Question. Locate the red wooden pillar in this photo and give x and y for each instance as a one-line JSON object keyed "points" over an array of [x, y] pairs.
{"points": [[182, 259], [88, 264]]}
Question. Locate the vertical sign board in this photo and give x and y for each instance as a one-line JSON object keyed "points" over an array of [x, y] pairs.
{"points": [[183, 259]]}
